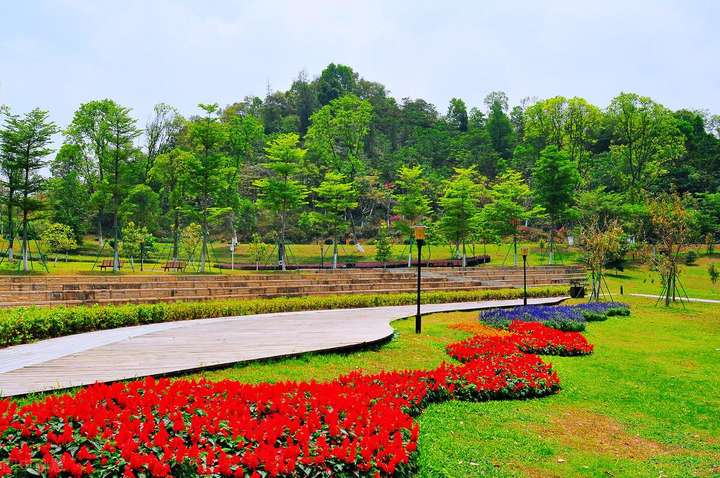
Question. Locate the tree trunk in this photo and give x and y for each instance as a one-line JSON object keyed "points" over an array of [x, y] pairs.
{"points": [[11, 228], [281, 245], [335, 254], [410, 255], [204, 247], [464, 255], [26, 252], [515, 253], [176, 236]]}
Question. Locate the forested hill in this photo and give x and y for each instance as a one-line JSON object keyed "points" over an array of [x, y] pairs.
{"points": [[337, 156]]}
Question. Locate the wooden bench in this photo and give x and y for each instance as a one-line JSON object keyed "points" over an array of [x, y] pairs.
{"points": [[175, 265], [108, 264]]}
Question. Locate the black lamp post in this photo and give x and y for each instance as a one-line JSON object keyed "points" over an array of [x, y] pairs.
{"points": [[420, 241], [524, 252]]}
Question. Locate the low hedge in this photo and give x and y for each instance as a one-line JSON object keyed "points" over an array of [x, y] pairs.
{"points": [[27, 324]]}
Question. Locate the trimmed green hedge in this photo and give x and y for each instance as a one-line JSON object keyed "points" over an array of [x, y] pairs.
{"points": [[27, 324]]}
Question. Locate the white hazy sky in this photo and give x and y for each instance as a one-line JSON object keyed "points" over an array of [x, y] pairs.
{"points": [[58, 54]]}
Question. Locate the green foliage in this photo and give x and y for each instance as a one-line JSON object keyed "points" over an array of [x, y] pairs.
{"points": [[336, 135], [58, 238], [412, 203], [713, 273], [460, 204], [27, 324], [383, 249], [280, 192], [555, 177], [511, 204], [691, 258], [136, 240], [142, 207], [645, 138]]}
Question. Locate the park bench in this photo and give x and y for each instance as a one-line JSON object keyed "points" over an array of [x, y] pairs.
{"points": [[175, 265], [108, 264]]}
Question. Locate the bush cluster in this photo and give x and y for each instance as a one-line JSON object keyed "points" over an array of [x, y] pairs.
{"points": [[27, 324]]}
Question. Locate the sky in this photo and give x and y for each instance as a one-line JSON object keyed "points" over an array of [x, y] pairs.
{"points": [[58, 54]]}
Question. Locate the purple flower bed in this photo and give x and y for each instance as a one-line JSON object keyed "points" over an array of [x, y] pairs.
{"points": [[563, 317]]}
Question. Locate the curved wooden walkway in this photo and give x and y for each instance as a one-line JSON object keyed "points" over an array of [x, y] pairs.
{"points": [[156, 349]]}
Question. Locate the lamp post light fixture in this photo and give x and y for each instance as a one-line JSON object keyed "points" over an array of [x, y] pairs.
{"points": [[420, 241], [524, 252]]}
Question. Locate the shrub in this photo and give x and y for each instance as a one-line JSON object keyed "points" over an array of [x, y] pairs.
{"points": [[691, 258], [27, 324]]}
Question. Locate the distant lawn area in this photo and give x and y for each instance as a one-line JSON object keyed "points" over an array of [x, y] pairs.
{"points": [[639, 279], [645, 404]]}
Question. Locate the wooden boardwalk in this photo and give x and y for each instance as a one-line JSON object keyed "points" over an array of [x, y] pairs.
{"points": [[156, 349]]}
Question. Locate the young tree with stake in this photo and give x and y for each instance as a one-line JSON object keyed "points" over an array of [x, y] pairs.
{"points": [[26, 140], [280, 192]]}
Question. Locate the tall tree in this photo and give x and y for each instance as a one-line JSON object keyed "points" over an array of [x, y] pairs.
{"points": [[121, 132], [207, 138], [510, 207], [336, 197], [26, 140], [457, 115], [645, 138], [172, 171], [460, 205], [498, 124], [89, 131], [412, 202], [244, 144], [337, 134], [555, 177], [334, 82], [280, 192], [68, 194], [11, 184], [161, 133]]}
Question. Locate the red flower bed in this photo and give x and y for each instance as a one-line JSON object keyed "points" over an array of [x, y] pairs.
{"points": [[356, 425]]}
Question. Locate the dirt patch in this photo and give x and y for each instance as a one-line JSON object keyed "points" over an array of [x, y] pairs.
{"points": [[594, 433]]}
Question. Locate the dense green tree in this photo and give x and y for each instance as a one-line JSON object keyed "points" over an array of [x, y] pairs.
{"points": [[121, 132], [510, 207], [142, 207], [555, 178], [171, 171], [411, 202], [498, 124], [68, 194], [457, 115], [89, 131], [206, 172], [281, 192], [336, 197], [334, 82], [383, 246], [58, 238], [460, 205], [337, 133], [645, 138]]}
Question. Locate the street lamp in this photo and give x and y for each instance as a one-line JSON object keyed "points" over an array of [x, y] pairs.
{"points": [[420, 241], [524, 252]]}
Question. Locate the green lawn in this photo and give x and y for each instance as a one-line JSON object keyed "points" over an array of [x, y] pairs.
{"points": [[639, 279], [644, 404]]}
